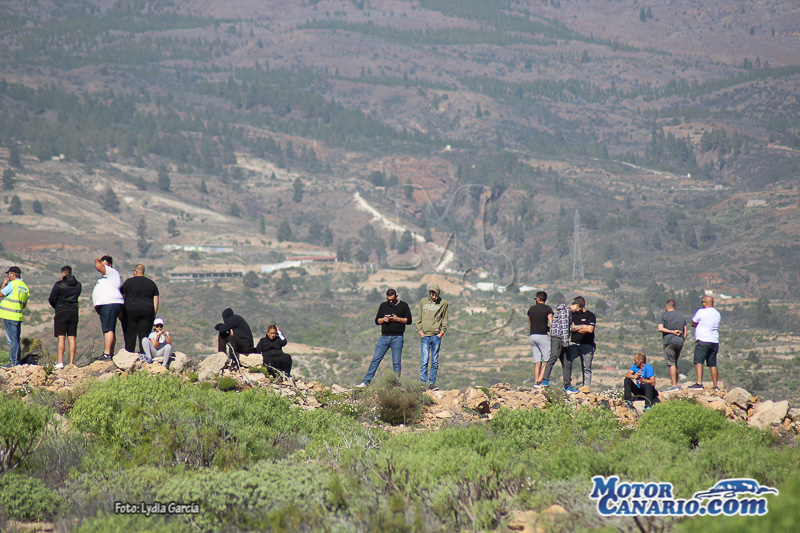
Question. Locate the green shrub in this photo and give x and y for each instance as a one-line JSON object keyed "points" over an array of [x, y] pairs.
{"points": [[163, 420], [227, 383], [26, 498], [193, 377], [399, 401], [245, 498], [22, 427], [682, 422]]}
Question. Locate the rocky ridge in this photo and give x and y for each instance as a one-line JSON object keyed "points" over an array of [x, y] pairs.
{"points": [[446, 407]]}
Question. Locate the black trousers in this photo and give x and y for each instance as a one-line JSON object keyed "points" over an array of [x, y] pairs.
{"points": [[228, 338], [136, 325], [282, 362], [632, 389]]}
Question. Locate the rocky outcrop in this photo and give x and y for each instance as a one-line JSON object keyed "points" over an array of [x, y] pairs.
{"points": [[127, 361], [768, 413], [213, 364]]}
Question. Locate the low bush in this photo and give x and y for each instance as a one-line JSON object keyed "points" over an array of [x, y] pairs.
{"points": [[22, 426], [227, 383], [399, 401], [682, 422], [163, 420], [246, 499], [27, 498]]}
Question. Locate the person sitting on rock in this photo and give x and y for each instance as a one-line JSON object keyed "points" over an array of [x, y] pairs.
{"points": [[271, 348], [158, 344], [640, 380], [236, 333]]}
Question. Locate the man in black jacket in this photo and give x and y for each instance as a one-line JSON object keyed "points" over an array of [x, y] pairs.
{"points": [[64, 299], [234, 331], [392, 317]]}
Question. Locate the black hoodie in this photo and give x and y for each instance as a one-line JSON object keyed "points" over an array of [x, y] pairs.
{"points": [[65, 294], [237, 324]]}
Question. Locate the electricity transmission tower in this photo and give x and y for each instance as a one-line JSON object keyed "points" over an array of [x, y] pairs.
{"points": [[577, 260]]}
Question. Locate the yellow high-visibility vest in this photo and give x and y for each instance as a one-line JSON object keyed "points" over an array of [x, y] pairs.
{"points": [[12, 305]]}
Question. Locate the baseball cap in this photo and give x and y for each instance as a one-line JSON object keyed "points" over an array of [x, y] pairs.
{"points": [[15, 270], [158, 321]]}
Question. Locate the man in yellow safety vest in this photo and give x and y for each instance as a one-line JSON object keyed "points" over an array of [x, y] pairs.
{"points": [[14, 294]]}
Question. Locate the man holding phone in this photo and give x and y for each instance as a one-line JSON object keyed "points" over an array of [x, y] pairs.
{"points": [[392, 317]]}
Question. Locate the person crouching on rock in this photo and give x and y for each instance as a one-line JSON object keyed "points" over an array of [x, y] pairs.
{"points": [[271, 348], [158, 344], [236, 332], [640, 380]]}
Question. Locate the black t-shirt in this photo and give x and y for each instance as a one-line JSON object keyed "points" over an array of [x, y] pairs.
{"points": [[538, 314], [400, 310], [586, 318], [138, 292]]}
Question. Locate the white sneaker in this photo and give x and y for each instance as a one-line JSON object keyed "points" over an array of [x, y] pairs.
{"points": [[59, 366], [361, 385]]}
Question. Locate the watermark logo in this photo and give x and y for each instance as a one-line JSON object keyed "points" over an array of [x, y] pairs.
{"points": [[616, 498]]}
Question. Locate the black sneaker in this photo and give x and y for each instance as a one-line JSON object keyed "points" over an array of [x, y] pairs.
{"points": [[432, 386], [695, 386]]}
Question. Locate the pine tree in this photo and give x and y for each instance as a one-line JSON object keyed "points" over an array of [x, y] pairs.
{"points": [[109, 201], [163, 179], [298, 191], [37, 207], [15, 207]]}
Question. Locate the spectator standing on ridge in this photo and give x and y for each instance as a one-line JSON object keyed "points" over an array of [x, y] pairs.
{"points": [[140, 309], [706, 322], [158, 343], [14, 293], [540, 316], [107, 301], [560, 327], [64, 299], [392, 317], [234, 331], [640, 380], [672, 326], [583, 345], [272, 354], [431, 326]]}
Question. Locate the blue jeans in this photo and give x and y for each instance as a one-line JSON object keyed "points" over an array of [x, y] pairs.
{"points": [[395, 342], [430, 351], [13, 334], [586, 353]]}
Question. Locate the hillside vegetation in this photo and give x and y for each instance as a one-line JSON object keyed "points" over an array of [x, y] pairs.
{"points": [[252, 461]]}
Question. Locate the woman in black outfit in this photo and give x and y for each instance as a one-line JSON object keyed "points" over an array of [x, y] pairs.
{"points": [[271, 348]]}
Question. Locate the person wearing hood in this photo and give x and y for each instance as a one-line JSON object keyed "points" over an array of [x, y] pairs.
{"points": [[431, 325], [64, 299], [234, 331]]}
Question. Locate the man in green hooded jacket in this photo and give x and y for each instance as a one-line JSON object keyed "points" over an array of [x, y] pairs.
{"points": [[431, 325]]}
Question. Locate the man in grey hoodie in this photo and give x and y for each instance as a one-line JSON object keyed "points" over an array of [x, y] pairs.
{"points": [[431, 325]]}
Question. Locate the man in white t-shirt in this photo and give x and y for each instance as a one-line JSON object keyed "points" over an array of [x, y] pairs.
{"points": [[706, 334], [107, 300]]}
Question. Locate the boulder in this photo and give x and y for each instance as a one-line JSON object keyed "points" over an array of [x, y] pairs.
{"points": [[476, 400], [179, 362], [35, 375], [794, 414], [739, 396], [251, 359], [127, 361], [769, 413], [524, 521], [213, 364]]}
